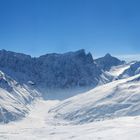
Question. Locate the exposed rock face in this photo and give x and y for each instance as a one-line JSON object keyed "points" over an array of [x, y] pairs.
{"points": [[108, 61], [18, 66], [131, 71], [52, 70], [68, 70]]}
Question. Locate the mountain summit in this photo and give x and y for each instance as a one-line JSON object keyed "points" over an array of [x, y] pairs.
{"points": [[108, 61]]}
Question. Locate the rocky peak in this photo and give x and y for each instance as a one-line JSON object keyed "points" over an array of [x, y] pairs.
{"points": [[108, 55], [108, 61]]}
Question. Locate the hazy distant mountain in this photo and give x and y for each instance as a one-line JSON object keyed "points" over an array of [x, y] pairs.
{"points": [[108, 61]]}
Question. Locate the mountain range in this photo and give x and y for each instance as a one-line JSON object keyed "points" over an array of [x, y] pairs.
{"points": [[56, 70], [23, 79]]}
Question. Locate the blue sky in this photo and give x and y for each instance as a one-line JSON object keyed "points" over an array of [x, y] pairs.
{"points": [[37, 27]]}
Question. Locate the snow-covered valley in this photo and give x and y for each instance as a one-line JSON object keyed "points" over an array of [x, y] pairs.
{"points": [[39, 125], [107, 110]]}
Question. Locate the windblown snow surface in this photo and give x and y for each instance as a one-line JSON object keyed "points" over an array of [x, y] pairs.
{"points": [[40, 125], [14, 99], [118, 70], [107, 112]]}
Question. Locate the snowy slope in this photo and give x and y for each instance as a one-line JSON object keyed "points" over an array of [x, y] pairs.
{"points": [[134, 69], [47, 119], [22, 74], [118, 70], [116, 99], [54, 116], [40, 125], [14, 99]]}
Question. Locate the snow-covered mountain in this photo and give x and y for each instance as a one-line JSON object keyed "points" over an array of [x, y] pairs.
{"points": [[87, 93], [108, 61], [14, 99], [115, 99], [23, 76], [131, 71], [68, 70]]}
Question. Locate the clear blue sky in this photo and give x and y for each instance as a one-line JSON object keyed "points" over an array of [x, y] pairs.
{"points": [[42, 26]]}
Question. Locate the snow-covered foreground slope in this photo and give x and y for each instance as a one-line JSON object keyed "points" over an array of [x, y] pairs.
{"points": [[116, 99], [107, 112], [48, 120], [40, 125], [14, 99]]}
